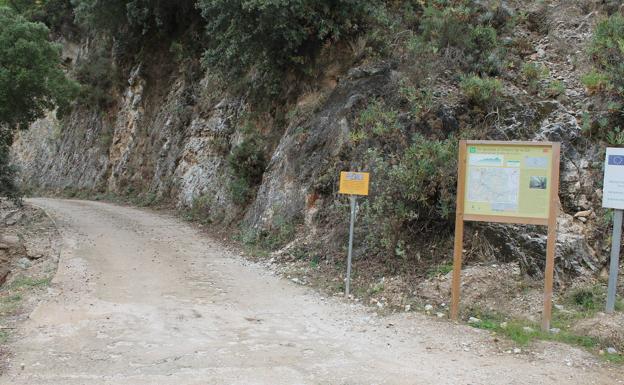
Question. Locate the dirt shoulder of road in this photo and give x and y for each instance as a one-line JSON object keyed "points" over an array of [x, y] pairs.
{"points": [[30, 246]]}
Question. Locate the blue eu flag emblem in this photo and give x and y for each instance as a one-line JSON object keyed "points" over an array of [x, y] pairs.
{"points": [[616, 160]]}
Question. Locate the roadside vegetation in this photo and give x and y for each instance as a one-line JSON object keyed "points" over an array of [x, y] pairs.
{"points": [[32, 82], [605, 80], [579, 304]]}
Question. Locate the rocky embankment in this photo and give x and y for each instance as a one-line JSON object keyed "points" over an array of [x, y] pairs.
{"points": [[29, 251], [28, 238]]}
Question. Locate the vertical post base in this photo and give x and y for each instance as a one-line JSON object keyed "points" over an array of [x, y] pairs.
{"points": [[351, 227], [615, 260], [549, 275], [458, 247], [457, 265]]}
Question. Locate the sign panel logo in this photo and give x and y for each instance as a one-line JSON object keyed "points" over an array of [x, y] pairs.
{"points": [[616, 160]]}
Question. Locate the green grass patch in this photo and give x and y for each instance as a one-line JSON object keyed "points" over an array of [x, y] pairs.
{"points": [[9, 304], [4, 337], [263, 241], [314, 262], [587, 301], [482, 92], [28, 282], [443, 269], [524, 332], [595, 81], [614, 358], [11, 297], [377, 288], [379, 119]]}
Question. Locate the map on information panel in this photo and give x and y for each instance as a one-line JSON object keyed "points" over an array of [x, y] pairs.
{"points": [[508, 180]]}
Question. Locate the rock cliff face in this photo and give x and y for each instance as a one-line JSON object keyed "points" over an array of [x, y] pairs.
{"points": [[154, 141], [168, 137]]}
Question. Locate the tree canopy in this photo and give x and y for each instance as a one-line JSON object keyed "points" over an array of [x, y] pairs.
{"points": [[32, 81], [275, 34]]}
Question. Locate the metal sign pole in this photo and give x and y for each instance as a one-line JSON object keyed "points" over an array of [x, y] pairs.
{"points": [[348, 281], [615, 259]]}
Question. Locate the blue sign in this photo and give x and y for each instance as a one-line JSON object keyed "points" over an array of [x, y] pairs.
{"points": [[616, 160]]}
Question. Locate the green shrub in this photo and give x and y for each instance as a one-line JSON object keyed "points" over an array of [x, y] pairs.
{"points": [[423, 172], [447, 25], [586, 299], [607, 50], [53, 13], [555, 89], [240, 191], [357, 136], [481, 92], [411, 193], [205, 210], [606, 80], [248, 162], [482, 50], [8, 173], [136, 17], [105, 140], [420, 101], [615, 137], [458, 25], [274, 35], [595, 82], [382, 24], [176, 49], [98, 77], [136, 24], [271, 238], [378, 119], [32, 82], [533, 73]]}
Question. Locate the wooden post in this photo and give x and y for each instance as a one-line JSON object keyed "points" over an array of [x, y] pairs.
{"points": [[552, 238], [459, 231]]}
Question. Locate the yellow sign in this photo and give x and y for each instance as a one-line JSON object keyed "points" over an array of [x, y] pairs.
{"points": [[508, 179], [354, 183]]}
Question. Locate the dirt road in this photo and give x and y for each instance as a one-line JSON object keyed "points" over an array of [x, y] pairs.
{"points": [[143, 298]]}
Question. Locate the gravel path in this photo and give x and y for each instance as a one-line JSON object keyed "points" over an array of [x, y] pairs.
{"points": [[143, 298]]}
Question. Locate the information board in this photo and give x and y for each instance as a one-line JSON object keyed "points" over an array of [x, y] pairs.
{"points": [[354, 183], [505, 179], [613, 186], [507, 182]]}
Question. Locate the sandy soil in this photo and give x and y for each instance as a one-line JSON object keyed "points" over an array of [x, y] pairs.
{"points": [[143, 298]]}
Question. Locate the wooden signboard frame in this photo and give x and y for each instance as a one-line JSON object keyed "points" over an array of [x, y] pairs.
{"points": [[550, 221]]}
